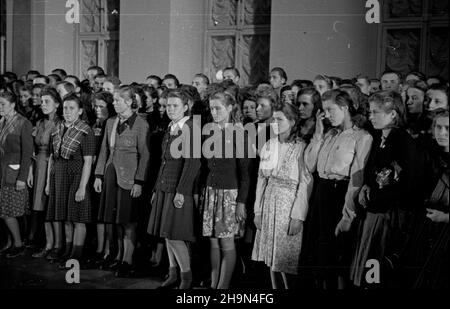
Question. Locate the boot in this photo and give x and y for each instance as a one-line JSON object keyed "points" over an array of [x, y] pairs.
{"points": [[186, 280]]}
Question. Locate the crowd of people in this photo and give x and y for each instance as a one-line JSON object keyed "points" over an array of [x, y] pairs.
{"points": [[348, 189]]}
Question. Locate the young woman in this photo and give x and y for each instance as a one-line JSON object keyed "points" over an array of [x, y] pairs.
{"points": [[281, 201], [249, 107], [26, 101], [339, 156], [104, 109], [111, 84], [16, 150], [72, 149], [266, 100], [391, 188], [437, 98], [427, 251], [120, 173], [36, 115], [415, 104], [51, 107], [172, 215], [162, 102], [308, 102], [322, 84], [158, 125], [227, 185], [287, 95]]}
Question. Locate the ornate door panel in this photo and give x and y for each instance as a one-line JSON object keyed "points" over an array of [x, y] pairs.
{"points": [[98, 36], [414, 36], [238, 35]]}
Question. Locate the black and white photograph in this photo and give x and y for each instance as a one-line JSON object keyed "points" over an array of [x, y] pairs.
{"points": [[232, 145]]}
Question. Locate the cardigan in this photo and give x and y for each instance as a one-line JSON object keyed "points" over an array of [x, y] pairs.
{"points": [[130, 154], [16, 152], [228, 167], [177, 175]]}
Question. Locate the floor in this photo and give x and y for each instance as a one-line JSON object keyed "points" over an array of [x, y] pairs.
{"points": [[26, 272]]}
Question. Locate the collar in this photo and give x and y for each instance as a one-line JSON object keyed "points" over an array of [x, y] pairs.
{"points": [[180, 123], [10, 117], [73, 124], [130, 120]]}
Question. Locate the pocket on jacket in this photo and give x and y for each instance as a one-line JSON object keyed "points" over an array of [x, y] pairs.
{"points": [[127, 141]]}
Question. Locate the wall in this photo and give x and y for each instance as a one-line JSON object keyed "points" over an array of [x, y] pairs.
{"points": [[187, 33], [323, 37], [160, 37], [59, 38], [41, 38], [144, 39], [21, 40]]}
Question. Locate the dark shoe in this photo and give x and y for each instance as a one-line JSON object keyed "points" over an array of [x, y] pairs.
{"points": [[114, 266], [93, 261], [105, 262], [53, 255], [15, 252], [4, 251], [62, 265], [42, 253], [125, 270], [30, 244]]}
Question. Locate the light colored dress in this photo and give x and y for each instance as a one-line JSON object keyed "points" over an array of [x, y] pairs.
{"points": [[284, 186]]}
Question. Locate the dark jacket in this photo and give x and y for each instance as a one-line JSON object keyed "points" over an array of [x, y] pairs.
{"points": [[16, 150], [177, 175], [404, 162]]}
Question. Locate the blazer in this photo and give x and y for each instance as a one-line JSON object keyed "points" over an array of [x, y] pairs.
{"points": [[130, 154], [177, 175], [16, 152]]}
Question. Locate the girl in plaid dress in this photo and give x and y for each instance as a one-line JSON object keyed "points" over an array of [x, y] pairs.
{"points": [[72, 145], [51, 107]]}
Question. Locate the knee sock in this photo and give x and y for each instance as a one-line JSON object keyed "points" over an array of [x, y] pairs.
{"points": [[186, 280], [215, 266], [182, 254], [227, 268], [128, 246]]}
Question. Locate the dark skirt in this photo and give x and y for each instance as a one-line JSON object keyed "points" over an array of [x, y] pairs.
{"points": [[323, 253], [426, 255], [435, 271], [169, 222], [116, 204], [65, 179], [380, 238]]}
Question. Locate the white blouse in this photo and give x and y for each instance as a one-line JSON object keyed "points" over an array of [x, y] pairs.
{"points": [[341, 155]]}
